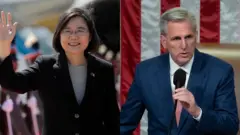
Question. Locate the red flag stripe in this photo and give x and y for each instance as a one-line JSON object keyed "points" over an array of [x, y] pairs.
{"points": [[130, 44], [168, 4], [210, 21], [165, 5]]}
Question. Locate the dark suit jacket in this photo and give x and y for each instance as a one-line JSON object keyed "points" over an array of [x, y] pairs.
{"points": [[212, 84], [97, 114]]}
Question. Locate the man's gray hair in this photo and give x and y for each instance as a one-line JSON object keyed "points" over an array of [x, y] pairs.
{"points": [[177, 14]]}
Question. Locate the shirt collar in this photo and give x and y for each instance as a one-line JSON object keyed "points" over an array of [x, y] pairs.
{"points": [[174, 67]]}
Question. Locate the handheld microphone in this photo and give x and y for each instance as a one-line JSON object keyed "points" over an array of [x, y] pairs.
{"points": [[179, 81]]}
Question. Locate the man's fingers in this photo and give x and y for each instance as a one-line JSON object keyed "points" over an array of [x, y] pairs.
{"points": [[180, 94], [180, 89], [183, 100], [185, 104]]}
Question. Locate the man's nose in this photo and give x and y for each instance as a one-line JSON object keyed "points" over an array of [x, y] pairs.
{"points": [[183, 44]]}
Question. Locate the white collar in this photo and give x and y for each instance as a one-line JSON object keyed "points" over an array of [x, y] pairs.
{"points": [[174, 67]]}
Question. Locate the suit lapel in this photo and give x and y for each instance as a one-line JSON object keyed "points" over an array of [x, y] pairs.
{"points": [[196, 78], [164, 72], [165, 85]]}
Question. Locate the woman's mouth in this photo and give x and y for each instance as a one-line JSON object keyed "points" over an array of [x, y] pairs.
{"points": [[73, 44]]}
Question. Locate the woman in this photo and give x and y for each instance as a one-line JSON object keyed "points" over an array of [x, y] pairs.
{"points": [[76, 87]]}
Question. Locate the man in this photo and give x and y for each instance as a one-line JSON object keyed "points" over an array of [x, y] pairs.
{"points": [[207, 102]]}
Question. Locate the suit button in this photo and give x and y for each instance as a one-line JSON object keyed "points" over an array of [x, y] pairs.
{"points": [[76, 115]]}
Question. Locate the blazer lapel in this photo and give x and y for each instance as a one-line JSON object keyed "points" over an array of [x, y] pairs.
{"points": [[91, 77], [63, 78], [195, 80]]}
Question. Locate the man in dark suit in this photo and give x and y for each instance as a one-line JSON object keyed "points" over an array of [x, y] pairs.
{"points": [[206, 103]]}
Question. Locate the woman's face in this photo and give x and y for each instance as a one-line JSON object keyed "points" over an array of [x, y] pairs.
{"points": [[75, 36]]}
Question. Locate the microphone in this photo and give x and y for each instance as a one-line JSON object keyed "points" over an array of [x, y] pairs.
{"points": [[179, 78], [179, 81]]}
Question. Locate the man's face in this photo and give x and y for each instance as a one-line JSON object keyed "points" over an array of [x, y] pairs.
{"points": [[180, 41]]}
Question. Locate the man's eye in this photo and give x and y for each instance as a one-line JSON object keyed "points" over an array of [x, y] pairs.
{"points": [[176, 38], [190, 36]]}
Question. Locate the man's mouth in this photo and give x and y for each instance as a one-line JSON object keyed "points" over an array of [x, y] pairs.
{"points": [[73, 44], [185, 54]]}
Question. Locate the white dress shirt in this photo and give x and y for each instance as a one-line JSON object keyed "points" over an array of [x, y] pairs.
{"points": [[187, 68]]}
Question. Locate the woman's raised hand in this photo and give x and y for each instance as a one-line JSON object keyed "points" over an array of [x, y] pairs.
{"points": [[7, 33]]}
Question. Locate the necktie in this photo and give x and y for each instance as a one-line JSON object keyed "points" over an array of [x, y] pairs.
{"points": [[178, 112], [179, 106]]}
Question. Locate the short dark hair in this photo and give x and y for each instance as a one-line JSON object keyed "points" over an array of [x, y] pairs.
{"points": [[64, 19]]}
